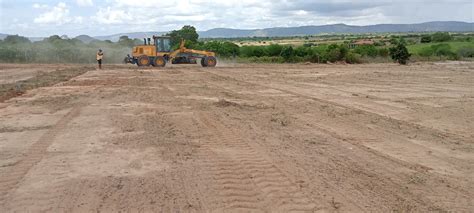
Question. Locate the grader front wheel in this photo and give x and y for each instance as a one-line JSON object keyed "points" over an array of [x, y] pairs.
{"points": [[209, 61]]}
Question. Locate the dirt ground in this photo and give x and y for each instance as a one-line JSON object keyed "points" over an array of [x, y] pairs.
{"points": [[242, 138]]}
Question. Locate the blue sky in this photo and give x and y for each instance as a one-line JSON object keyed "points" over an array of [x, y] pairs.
{"points": [[93, 17]]}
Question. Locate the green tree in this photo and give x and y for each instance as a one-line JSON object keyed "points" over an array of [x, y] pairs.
{"points": [[399, 53], [16, 39], [53, 38], [126, 41], [187, 33], [225, 49]]}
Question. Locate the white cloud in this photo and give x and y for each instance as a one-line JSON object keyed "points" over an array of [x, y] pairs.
{"points": [[112, 16], [85, 3], [116, 16], [78, 20], [40, 6], [57, 15]]}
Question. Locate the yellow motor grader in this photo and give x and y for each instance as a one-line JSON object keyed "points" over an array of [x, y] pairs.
{"points": [[159, 53]]}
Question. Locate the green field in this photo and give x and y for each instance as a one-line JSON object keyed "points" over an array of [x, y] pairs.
{"points": [[455, 46]]}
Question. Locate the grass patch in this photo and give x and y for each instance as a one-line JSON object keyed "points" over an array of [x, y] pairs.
{"points": [[455, 46]]}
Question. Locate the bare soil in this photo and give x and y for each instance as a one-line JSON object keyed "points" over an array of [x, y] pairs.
{"points": [[242, 138], [18, 78]]}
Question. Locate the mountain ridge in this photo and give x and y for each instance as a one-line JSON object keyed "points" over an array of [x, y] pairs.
{"points": [[450, 26], [434, 26]]}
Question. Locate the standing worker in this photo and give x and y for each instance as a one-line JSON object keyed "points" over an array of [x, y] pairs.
{"points": [[99, 57]]}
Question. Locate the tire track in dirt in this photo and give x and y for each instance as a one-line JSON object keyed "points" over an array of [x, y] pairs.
{"points": [[359, 142], [243, 179], [398, 128], [454, 139], [10, 179], [156, 191], [46, 198]]}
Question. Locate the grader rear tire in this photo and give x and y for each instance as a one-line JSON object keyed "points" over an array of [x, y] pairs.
{"points": [[159, 61], [143, 61]]}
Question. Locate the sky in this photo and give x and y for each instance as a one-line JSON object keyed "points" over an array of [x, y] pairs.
{"points": [[39, 18]]}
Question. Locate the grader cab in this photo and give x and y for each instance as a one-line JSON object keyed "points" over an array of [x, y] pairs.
{"points": [[160, 53]]}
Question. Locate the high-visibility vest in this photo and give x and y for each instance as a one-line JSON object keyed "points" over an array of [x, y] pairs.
{"points": [[100, 55]]}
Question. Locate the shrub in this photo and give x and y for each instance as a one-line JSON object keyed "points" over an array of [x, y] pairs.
{"points": [[467, 52], [333, 55], [426, 51], [302, 51], [366, 50], [353, 58], [250, 51], [287, 53], [383, 52], [441, 37], [318, 54], [442, 49], [399, 53], [336, 52], [425, 39], [343, 52], [273, 49], [379, 43], [316, 57]]}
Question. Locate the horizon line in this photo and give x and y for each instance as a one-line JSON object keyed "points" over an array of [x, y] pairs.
{"points": [[248, 29]]}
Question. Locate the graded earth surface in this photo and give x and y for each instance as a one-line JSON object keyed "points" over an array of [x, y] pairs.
{"points": [[239, 138]]}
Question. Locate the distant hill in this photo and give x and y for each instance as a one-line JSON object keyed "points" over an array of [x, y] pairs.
{"points": [[3, 36], [450, 26], [33, 39], [85, 38], [133, 35], [447, 26]]}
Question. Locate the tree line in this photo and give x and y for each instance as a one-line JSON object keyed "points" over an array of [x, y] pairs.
{"points": [[54, 49], [275, 53]]}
